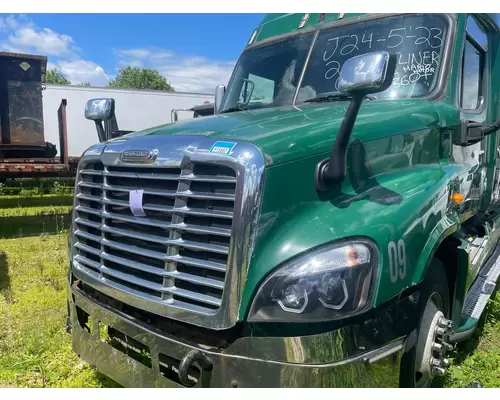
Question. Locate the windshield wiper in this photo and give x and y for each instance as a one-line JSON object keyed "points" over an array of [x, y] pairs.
{"points": [[336, 97]]}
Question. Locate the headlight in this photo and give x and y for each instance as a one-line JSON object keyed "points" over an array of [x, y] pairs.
{"points": [[332, 282]]}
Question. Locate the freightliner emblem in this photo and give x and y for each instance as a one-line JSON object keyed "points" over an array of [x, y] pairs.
{"points": [[138, 156]]}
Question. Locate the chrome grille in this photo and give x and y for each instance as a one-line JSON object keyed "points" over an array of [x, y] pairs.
{"points": [[178, 252]]}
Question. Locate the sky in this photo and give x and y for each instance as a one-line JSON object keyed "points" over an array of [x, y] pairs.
{"points": [[195, 52]]}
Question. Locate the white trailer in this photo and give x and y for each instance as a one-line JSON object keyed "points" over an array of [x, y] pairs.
{"points": [[134, 109]]}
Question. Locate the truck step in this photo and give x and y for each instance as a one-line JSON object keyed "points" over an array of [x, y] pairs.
{"points": [[481, 290]]}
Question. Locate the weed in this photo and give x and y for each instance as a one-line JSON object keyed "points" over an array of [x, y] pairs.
{"points": [[35, 201], [29, 187], [34, 211], [35, 350], [477, 360]]}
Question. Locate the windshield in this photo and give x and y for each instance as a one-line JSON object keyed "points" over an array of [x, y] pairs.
{"points": [[268, 76]]}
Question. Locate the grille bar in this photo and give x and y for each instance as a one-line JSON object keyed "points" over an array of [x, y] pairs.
{"points": [[172, 177], [93, 173], [201, 298], [178, 253], [165, 241], [158, 224], [160, 208], [157, 192], [88, 249], [161, 272], [84, 260], [88, 210], [93, 277], [90, 224]]}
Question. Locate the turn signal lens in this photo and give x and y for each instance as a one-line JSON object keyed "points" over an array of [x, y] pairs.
{"points": [[456, 198]]}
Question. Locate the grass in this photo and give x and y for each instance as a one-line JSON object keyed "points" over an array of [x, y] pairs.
{"points": [[29, 187], [34, 225], [34, 211], [36, 191], [35, 350], [38, 182], [35, 201], [33, 221], [477, 360]]}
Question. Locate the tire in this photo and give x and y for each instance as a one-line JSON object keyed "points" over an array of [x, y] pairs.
{"points": [[433, 305]]}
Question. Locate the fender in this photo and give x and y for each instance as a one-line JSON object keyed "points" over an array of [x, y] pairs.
{"points": [[449, 224], [295, 220]]}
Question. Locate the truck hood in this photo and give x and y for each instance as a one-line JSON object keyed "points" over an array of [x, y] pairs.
{"points": [[288, 133]]}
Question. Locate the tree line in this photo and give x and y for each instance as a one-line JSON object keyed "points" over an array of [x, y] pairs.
{"points": [[127, 78]]}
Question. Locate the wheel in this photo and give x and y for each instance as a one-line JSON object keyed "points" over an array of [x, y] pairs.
{"points": [[427, 358]]}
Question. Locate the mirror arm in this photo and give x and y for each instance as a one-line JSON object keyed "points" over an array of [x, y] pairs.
{"points": [[492, 128], [334, 169], [100, 131]]}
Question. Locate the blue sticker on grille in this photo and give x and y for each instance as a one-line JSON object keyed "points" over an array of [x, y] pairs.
{"points": [[222, 147]]}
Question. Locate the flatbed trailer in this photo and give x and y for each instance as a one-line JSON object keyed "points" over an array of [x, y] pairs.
{"points": [[31, 167]]}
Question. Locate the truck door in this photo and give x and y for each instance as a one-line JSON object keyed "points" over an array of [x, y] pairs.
{"points": [[475, 94]]}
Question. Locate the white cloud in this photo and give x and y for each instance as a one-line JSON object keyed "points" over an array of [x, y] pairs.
{"points": [[12, 22], [25, 36], [43, 41], [186, 74], [81, 71], [20, 34]]}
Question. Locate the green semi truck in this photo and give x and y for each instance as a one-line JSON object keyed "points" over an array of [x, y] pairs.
{"points": [[334, 224]]}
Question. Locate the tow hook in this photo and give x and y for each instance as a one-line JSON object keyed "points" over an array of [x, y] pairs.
{"points": [[194, 356], [441, 346]]}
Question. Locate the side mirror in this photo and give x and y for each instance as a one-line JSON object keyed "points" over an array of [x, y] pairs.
{"points": [[219, 95], [99, 110], [367, 73], [359, 76]]}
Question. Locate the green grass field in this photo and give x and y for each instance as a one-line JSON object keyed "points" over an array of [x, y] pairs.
{"points": [[477, 361], [34, 215], [34, 211], [47, 200], [35, 349], [28, 187], [33, 225]]}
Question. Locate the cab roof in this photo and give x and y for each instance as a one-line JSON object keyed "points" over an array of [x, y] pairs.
{"points": [[281, 24]]}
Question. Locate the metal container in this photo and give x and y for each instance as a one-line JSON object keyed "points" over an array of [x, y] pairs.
{"points": [[21, 109]]}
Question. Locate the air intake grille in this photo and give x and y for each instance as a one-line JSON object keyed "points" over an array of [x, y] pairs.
{"points": [[178, 252]]}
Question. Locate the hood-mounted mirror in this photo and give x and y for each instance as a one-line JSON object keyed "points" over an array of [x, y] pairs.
{"points": [[99, 110], [359, 76]]}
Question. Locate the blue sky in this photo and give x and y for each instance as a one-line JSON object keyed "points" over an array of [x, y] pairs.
{"points": [[196, 52]]}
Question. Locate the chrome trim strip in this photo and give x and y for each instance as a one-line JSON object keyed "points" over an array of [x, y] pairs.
{"points": [[179, 152]]}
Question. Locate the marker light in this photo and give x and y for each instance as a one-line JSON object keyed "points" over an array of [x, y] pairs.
{"points": [[456, 198]]}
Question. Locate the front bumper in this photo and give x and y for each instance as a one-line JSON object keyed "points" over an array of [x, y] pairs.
{"points": [[234, 366]]}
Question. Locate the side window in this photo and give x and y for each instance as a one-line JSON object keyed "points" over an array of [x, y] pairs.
{"points": [[260, 90], [473, 67]]}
